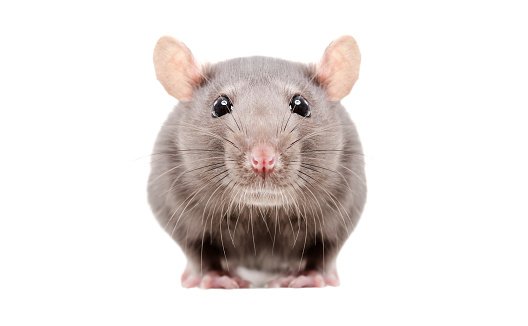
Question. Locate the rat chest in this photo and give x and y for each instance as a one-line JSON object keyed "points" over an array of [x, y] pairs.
{"points": [[267, 243]]}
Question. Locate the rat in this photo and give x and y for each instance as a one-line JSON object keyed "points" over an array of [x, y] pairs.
{"points": [[258, 171]]}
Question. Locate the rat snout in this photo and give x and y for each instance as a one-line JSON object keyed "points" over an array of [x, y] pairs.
{"points": [[262, 158]]}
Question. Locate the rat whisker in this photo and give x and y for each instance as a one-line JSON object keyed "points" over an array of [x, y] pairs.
{"points": [[297, 124], [189, 201], [265, 223], [206, 132], [286, 125], [222, 200], [207, 203], [239, 213], [304, 245], [314, 167], [193, 194], [222, 242], [282, 122], [357, 156], [202, 246], [232, 206], [287, 208], [298, 213], [252, 231], [343, 166], [313, 211], [203, 195], [336, 209], [149, 155], [305, 219], [275, 230], [227, 126], [321, 219], [219, 202], [331, 195], [334, 150], [173, 168], [310, 135], [310, 206], [177, 156], [215, 166], [176, 152], [323, 156], [236, 122]]}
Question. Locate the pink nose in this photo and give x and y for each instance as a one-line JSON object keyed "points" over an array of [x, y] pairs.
{"points": [[263, 158]]}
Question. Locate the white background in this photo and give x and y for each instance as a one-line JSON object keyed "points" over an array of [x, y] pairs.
{"points": [[440, 105]]}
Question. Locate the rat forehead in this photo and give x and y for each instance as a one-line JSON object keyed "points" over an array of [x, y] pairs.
{"points": [[252, 75], [258, 69], [271, 89]]}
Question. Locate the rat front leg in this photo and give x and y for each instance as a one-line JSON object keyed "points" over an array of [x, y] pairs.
{"points": [[211, 280], [306, 279], [205, 271], [320, 271]]}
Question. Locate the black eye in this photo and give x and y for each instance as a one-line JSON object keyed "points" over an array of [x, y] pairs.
{"points": [[221, 106], [299, 105]]}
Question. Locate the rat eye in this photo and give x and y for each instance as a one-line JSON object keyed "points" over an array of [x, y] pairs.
{"points": [[221, 106], [299, 105]]}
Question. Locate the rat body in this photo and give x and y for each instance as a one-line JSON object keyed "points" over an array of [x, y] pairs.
{"points": [[258, 167]]}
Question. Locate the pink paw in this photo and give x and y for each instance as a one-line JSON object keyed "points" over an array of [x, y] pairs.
{"points": [[311, 279], [212, 280]]}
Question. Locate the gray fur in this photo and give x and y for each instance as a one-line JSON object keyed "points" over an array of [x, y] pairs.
{"points": [[204, 193]]}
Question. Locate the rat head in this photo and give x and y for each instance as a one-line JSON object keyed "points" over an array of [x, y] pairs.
{"points": [[259, 131]]}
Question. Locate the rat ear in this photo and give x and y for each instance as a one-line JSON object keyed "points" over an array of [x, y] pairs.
{"points": [[176, 68], [338, 70]]}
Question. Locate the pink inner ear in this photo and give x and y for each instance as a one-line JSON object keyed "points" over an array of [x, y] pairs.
{"points": [[185, 75], [338, 70], [176, 68], [322, 72]]}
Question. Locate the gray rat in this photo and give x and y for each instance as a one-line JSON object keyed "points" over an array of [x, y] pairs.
{"points": [[258, 173]]}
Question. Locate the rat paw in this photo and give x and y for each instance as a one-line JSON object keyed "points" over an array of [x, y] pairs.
{"points": [[311, 279], [213, 280]]}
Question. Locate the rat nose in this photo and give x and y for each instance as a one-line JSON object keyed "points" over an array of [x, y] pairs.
{"points": [[262, 158]]}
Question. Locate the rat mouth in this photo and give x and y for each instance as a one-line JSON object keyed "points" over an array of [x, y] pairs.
{"points": [[262, 197]]}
